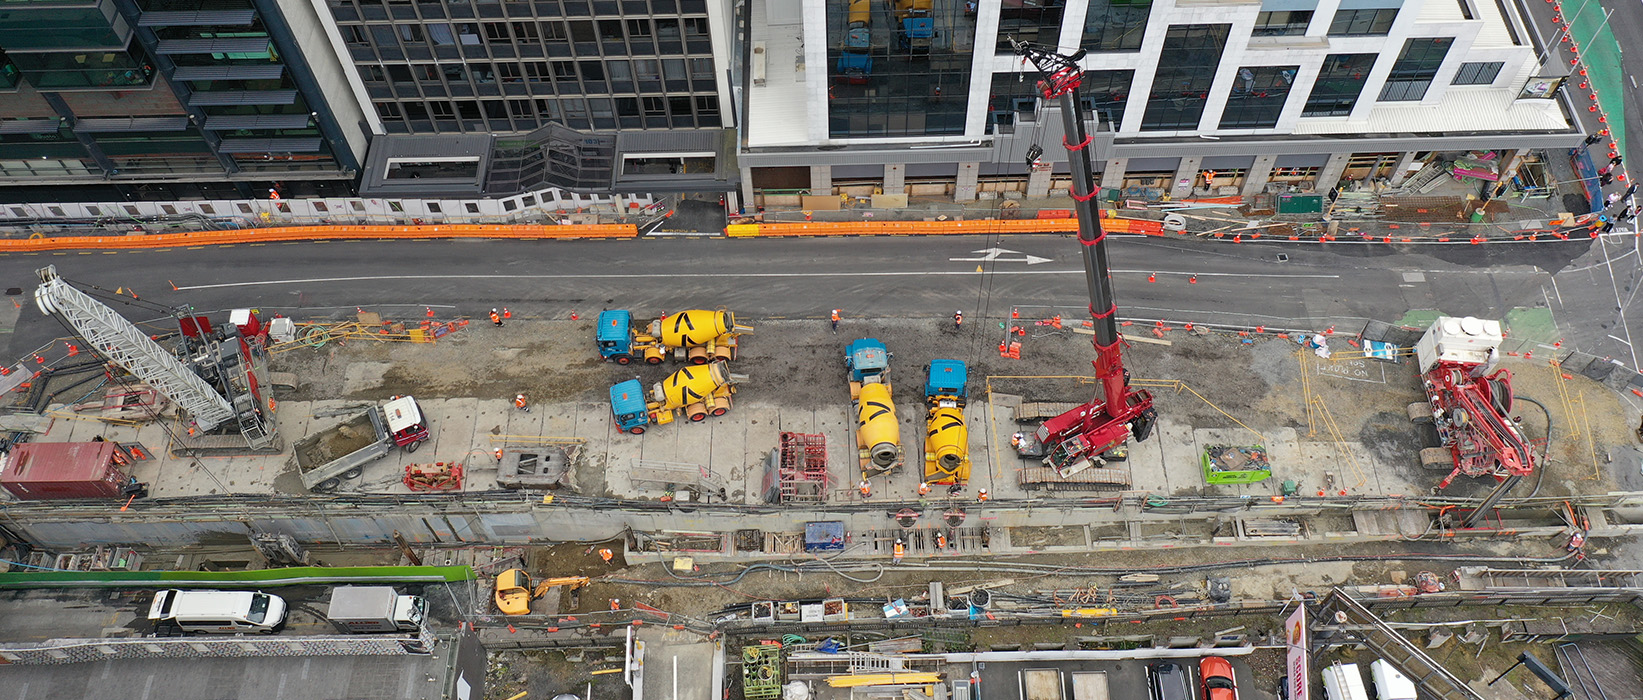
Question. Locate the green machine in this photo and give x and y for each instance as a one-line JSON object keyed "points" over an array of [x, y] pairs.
{"points": [[762, 671], [1236, 464]]}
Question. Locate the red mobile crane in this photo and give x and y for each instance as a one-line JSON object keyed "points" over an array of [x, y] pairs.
{"points": [[1095, 432]]}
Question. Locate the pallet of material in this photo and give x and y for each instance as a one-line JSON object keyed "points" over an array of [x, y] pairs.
{"points": [[1034, 411], [1092, 479]]}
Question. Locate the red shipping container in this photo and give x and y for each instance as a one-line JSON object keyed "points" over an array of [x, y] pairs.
{"points": [[45, 470]]}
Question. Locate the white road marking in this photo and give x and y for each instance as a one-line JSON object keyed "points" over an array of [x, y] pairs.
{"points": [[732, 275], [993, 255]]}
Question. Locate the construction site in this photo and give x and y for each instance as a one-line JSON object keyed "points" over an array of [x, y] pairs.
{"points": [[662, 503]]}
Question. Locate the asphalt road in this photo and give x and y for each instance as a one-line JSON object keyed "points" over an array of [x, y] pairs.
{"points": [[1237, 284]]}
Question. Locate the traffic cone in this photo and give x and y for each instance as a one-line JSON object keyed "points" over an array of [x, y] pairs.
{"points": [[1152, 277], [1014, 313], [506, 313], [430, 311], [1192, 280], [575, 317]]}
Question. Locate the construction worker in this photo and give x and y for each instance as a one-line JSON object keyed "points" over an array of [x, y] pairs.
{"points": [[606, 554], [898, 551], [981, 496], [941, 540], [1015, 440], [835, 318], [520, 403], [923, 488], [865, 488], [615, 603], [954, 490], [958, 319], [496, 318], [499, 455]]}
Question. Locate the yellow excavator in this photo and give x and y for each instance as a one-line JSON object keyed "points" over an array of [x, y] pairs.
{"points": [[514, 593]]}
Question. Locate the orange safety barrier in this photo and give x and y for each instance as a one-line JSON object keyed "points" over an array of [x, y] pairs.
{"points": [[319, 233], [927, 228]]}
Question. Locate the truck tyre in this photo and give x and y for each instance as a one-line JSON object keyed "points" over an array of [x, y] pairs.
{"points": [[698, 417], [623, 359], [353, 473], [698, 360], [637, 430], [330, 484], [720, 410], [412, 447], [653, 360]]}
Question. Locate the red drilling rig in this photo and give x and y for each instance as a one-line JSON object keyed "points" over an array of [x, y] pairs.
{"points": [[1096, 432], [1469, 403]]}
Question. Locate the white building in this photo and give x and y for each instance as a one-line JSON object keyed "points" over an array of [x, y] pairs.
{"points": [[1196, 96]]}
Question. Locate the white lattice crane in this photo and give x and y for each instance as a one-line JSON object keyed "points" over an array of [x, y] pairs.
{"points": [[111, 334]]}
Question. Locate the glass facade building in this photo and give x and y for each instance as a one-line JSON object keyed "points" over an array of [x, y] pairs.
{"points": [[157, 98]]}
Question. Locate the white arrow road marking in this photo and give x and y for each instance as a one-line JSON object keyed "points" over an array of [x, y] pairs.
{"points": [[992, 255]]}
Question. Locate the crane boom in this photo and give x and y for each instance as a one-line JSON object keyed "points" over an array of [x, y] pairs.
{"points": [[128, 347], [1097, 431]]}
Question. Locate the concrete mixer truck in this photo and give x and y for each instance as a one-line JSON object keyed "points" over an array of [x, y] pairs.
{"points": [[698, 335], [695, 392], [878, 434], [946, 437]]}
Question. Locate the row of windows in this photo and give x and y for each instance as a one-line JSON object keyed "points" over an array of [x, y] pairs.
{"points": [[1258, 94], [580, 113], [469, 34], [642, 69], [513, 8], [1377, 22]]}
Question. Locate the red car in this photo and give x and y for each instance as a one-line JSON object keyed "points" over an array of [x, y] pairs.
{"points": [[1216, 673]]}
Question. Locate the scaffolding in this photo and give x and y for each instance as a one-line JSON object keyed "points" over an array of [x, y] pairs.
{"points": [[802, 472]]}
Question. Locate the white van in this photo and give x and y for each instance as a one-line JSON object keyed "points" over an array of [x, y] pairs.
{"points": [[1389, 683], [218, 612], [1344, 682]]}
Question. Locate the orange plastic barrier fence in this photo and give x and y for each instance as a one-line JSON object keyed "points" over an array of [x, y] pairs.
{"points": [[928, 228], [317, 233]]}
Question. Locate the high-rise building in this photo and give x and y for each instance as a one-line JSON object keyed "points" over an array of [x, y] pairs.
{"points": [[1219, 97], [486, 97], [171, 99]]}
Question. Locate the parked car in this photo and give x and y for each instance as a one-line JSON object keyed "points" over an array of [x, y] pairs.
{"points": [[1215, 673], [1169, 681]]}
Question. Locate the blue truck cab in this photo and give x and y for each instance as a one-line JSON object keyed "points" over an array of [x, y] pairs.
{"points": [[615, 336], [866, 359], [627, 406], [946, 378]]}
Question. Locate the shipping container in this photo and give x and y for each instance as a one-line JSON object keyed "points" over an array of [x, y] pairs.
{"points": [[46, 470]]}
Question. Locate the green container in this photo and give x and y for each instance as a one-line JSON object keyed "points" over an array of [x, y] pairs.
{"points": [[1259, 470]]}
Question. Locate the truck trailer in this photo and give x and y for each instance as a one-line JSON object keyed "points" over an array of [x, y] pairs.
{"points": [[325, 458]]}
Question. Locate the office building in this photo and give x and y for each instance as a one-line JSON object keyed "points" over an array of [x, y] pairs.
{"points": [[495, 98], [171, 99], [1195, 97]]}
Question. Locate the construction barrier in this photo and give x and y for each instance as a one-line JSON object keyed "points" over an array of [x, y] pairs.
{"points": [[319, 233], [930, 228]]}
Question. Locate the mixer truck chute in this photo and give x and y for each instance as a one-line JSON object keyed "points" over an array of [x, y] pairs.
{"points": [[697, 392], [698, 335], [856, 54], [946, 437], [878, 433]]}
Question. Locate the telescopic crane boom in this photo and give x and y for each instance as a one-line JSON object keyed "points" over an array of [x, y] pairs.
{"points": [[1096, 431], [109, 333]]}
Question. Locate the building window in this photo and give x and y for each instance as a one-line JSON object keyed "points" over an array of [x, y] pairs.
{"points": [[520, 109], [410, 32], [564, 71], [667, 28], [900, 73], [388, 110], [1340, 80], [525, 31], [496, 32], [441, 110], [610, 29], [374, 74], [1115, 25], [1258, 96], [1478, 73], [707, 105], [1415, 68], [639, 28], [646, 69], [1032, 22], [441, 34], [1186, 68], [353, 34], [554, 31], [655, 107], [1282, 23], [695, 26], [1363, 22], [701, 68]]}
